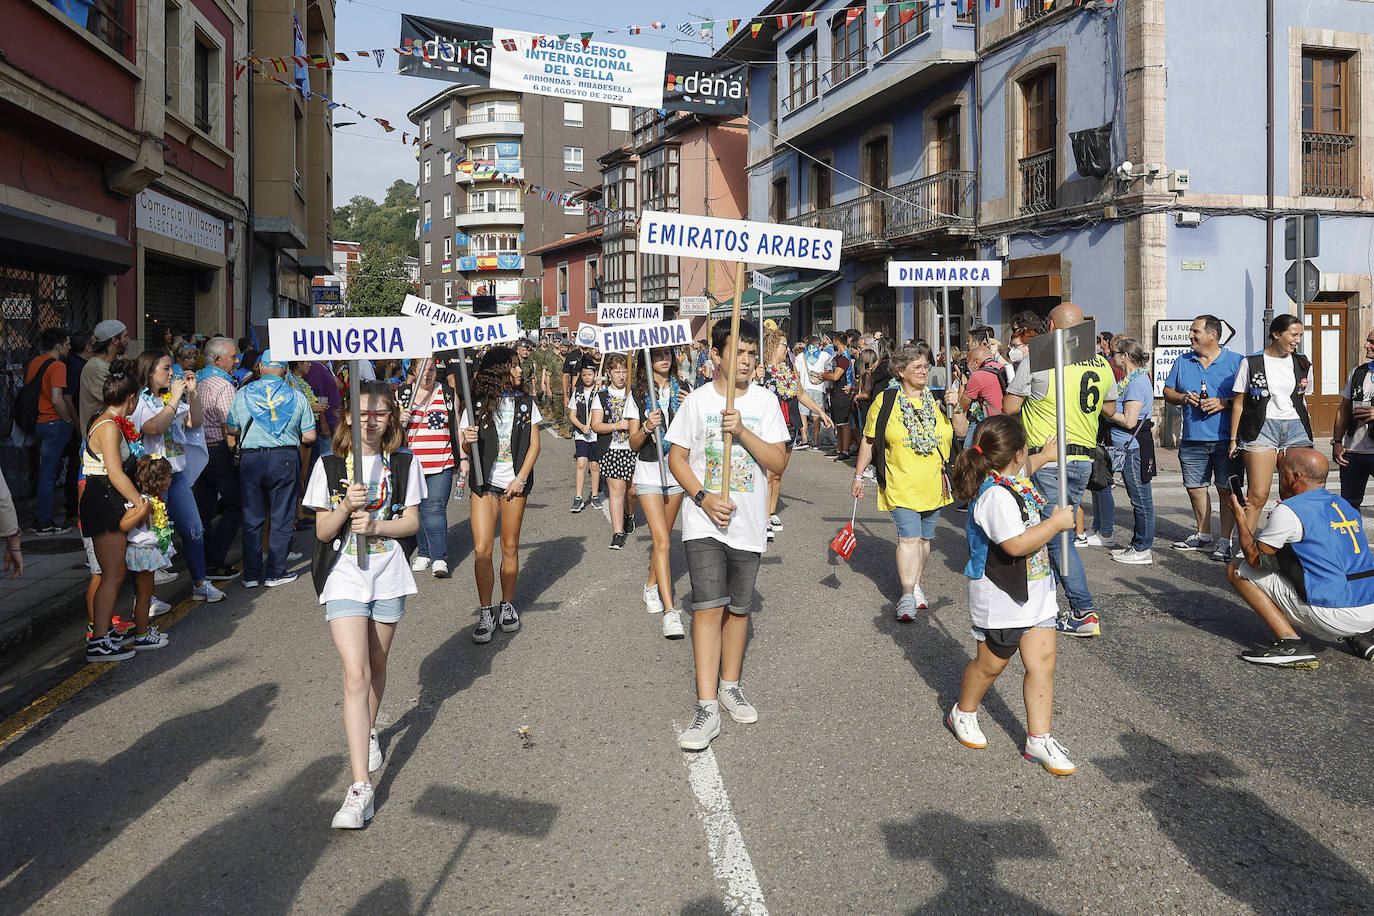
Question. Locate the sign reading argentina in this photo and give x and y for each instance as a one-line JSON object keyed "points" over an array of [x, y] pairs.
{"points": [[348, 338], [624, 338], [628, 312], [738, 240], [431, 311], [476, 332], [944, 273]]}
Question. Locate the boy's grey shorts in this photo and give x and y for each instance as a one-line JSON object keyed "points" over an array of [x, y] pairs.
{"points": [[721, 576]]}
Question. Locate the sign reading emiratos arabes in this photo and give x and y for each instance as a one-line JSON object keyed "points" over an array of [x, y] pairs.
{"points": [[172, 219], [628, 312], [944, 273], [348, 338], [623, 338], [738, 240]]}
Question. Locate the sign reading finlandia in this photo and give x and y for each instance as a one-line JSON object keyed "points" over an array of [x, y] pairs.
{"points": [[623, 338], [720, 239]]}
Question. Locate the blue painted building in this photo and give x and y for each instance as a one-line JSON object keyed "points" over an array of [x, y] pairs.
{"points": [[1003, 132]]}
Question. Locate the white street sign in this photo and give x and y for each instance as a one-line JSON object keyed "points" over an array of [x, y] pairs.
{"points": [[1164, 359], [1173, 332], [623, 338], [436, 313], [628, 312], [761, 281], [476, 332], [348, 338], [693, 307], [944, 273], [738, 240]]}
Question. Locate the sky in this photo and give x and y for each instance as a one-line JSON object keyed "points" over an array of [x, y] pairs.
{"points": [[367, 160]]}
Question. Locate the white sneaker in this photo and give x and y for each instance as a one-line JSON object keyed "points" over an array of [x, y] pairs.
{"points": [[741, 710], [163, 576], [921, 603], [207, 593], [1097, 540], [440, 569], [294, 555], [157, 607], [419, 564], [1080, 540], [1223, 550], [772, 534], [284, 580], [374, 753], [705, 726], [672, 625], [1050, 754], [774, 523], [965, 727], [653, 600], [1133, 557], [357, 807], [906, 608]]}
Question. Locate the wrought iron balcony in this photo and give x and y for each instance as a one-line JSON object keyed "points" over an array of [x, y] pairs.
{"points": [[1037, 183], [940, 201], [861, 220], [1330, 164], [1036, 9], [490, 117]]}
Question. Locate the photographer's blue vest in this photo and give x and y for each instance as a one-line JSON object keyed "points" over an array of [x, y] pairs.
{"points": [[1334, 564]]}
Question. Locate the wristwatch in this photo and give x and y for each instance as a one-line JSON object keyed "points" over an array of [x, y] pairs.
{"points": [[700, 497]]}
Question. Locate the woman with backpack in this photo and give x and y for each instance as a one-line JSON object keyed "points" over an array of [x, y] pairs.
{"points": [[364, 605], [1268, 412]]}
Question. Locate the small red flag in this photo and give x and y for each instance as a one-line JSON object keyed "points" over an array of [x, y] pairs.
{"points": [[845, 541]]}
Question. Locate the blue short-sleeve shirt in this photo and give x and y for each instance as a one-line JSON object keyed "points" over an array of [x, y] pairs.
{"points": [[1187, 376]]}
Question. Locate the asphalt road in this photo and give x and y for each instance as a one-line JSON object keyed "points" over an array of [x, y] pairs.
{"points": [[540, 773]]}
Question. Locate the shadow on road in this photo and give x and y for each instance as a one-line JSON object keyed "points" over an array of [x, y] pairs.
{"points": [[1233, 837], [59, 816], [254, 861], [966, 853]]}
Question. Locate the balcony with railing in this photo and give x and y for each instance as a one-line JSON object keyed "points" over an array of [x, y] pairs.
{"points": [[861, 220], [618, 223], [490, 124], [1035, 10], [936, 203], [1037, 183], [1330, 165], [488, 215]]}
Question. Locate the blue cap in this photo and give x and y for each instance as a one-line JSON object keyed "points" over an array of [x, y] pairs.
{"points": [[267, 362]]}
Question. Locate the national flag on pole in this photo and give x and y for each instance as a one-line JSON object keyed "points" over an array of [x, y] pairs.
{"points": [[845, 542]]}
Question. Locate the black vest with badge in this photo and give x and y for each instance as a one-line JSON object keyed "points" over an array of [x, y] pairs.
{"points": [[1002, 569], [326, 553], [1256, 404], [648, 451], [489, 443], [603, 402]]}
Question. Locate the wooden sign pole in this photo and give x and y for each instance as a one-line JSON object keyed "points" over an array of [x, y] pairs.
{"points": [[731, 364]]}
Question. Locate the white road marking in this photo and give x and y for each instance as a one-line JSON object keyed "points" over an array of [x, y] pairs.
{"points": [[729, 857]]}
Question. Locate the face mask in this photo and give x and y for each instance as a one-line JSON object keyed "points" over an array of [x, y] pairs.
{"points": [[1015, 354]]}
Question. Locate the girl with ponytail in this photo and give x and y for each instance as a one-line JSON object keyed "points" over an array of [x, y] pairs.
{"points": [[1011, 598]]}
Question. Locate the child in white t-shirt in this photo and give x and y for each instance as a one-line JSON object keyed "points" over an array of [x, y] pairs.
{"points": [[1011, 593], [584, 398], [363, 606], [724, 537]]}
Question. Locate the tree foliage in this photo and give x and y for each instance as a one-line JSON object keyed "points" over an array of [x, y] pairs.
{"points": [[388, 224], [529, 313], [378, 282]]}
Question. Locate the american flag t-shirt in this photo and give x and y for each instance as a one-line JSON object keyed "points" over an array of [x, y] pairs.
{"points": [[428, 435]]}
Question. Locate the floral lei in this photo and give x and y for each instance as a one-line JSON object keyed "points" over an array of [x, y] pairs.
{"points": [[921, 420], [162, 527], [782, 379], [1023, 488], [131, 436]]}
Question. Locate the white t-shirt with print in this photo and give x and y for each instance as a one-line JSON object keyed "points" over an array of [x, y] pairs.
{"points": [[647, 472], [989, 607], [175, 435], [620, 440], [822, 363], [583, 396], [697, 429], [1358, 437], [1279, 371], [388, 573], [503, 471]]}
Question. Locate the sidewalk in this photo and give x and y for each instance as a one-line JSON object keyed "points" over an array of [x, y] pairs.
{"points": [[51, 591]]}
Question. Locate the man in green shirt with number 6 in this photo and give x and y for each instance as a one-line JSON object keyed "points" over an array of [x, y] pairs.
{"points": [[1031, 394]]}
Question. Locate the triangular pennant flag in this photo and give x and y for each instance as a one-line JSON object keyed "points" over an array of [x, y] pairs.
{"points": [[906, 12], [808, 19], [754, 29], [586, 40], [634, 30], [784, 22], [852, 13], [339, 55], [879, 11], [657, 25], [732, 26], [707, 28]]}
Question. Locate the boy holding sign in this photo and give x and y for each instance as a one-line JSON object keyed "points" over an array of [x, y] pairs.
{"points": [[724, 535]]}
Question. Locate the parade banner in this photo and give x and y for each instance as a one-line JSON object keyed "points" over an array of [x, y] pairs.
{"points": [[348, 338], [628, 312], [432, 311], [476, 332], [624, 338], [740, 240], [569, 67], [588, 335], [944, 273]]}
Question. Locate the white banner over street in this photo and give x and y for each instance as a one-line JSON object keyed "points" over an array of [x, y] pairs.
{"points": [[738, 240], [476, 332], [624, 338], [596, 72], [944, 273], [628, 312], [431, 311], [348, 338]]}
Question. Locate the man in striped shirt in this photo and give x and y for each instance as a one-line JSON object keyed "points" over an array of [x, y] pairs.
{"points": [[217, 489]]}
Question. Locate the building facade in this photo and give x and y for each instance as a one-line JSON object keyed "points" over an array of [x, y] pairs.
{"points": [[293, 155], [475, 228]]}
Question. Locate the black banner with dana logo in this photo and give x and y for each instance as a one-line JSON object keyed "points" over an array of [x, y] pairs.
{"points": [[476, 55]]}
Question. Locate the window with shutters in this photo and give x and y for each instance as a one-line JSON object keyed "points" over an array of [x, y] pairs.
{"points": [[1330, 140]]}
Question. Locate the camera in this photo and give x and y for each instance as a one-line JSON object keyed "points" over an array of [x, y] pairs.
{"points": [[1236, 484]]}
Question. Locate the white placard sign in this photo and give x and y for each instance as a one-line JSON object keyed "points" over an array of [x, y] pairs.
{"points": [[738, 240], [588, 335], [761, 281], [172, 219], [944, 273], [597, 72], [628, 312], [1164, 359], [348, 338], [431, 311], [624, 338], [693, 307], [476, 332]]}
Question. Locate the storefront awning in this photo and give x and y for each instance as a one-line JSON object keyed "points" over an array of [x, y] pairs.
{"points": [[778, 303], [42, 238]]}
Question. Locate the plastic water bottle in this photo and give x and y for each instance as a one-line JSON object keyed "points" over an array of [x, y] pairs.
{"points": [[459, 487]]}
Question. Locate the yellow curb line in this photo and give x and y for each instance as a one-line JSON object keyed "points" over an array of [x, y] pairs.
{"points": [[49, 702]]}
